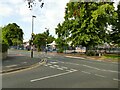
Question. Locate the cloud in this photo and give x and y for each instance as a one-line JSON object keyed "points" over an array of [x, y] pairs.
{"points": [[5, 11], [51, 14], [24, 11]]}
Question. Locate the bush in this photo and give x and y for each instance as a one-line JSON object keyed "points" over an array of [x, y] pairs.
{"points": [[4, 47], [90, 53], [60, 51]]}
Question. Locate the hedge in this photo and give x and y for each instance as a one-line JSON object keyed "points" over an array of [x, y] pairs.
{"points": [[4, 47]]}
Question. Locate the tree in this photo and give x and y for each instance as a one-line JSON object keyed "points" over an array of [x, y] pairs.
{"points": [[41, 39], [32, 3], [12, 34], [61, 45], [87, 22], [62, 32], [115, 35]]}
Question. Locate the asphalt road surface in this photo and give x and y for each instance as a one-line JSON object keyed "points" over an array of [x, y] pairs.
{"points": [[65, 72]]}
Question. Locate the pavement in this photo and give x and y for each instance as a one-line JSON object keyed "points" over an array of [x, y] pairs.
{"points": [[16, 62]]}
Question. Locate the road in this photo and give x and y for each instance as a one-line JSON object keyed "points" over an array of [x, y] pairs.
{"points": [[65, 72]]}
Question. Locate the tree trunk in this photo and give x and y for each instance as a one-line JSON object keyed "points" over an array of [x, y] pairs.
{"points": [[87, 49]]}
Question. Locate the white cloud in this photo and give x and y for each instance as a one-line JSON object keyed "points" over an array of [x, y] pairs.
{"points": [[24, 11], [49, 16], [5, 11], [53, 12], [26, 19]]}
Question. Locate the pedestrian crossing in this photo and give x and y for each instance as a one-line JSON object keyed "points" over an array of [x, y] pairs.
{"points": [[54, 65]]}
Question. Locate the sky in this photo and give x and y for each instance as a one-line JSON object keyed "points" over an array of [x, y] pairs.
{"points": [[17, 11]]}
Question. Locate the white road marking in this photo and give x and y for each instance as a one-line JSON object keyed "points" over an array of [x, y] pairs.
{"points": [[73, 69], [116, 79], [46, 65], [52, 67], [51, 76], [113, 71], [64, 67], [72, 63], [56, 65], [60, 68], [86, 72], [100, 75], [91, 67], [53, 62], [49, 64], [75, 57], [10, 66]]}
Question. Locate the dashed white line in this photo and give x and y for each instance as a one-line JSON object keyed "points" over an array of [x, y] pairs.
{"points": [[91, 67], [53, 62], [49, 64], [75, 57], [116, 79], [86, 72], [52, 67], [56, 65], [64, 67], [60, 68], [34, 80], [100, 75], [72, 63]]}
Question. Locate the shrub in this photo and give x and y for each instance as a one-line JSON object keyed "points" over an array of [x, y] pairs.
{"points": [[90, 53], [4, 47], [60, 51]]}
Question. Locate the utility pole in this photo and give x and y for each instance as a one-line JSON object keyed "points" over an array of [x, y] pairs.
{"points": [[32, 36], [31, 4], [46, 42]]}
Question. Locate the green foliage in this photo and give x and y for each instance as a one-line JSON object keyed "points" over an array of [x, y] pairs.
{"points": [[4, 47], [91, 53], [41, 39], [115, 34], [60, 50], [86, 23], [12, 34], [61, 44]]}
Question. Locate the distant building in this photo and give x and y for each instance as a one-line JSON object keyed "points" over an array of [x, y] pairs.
{"points": [[52, 46]]}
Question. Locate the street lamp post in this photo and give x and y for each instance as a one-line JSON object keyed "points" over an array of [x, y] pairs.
{"points": [[46, 46], [32, 36], [46, 42]]}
